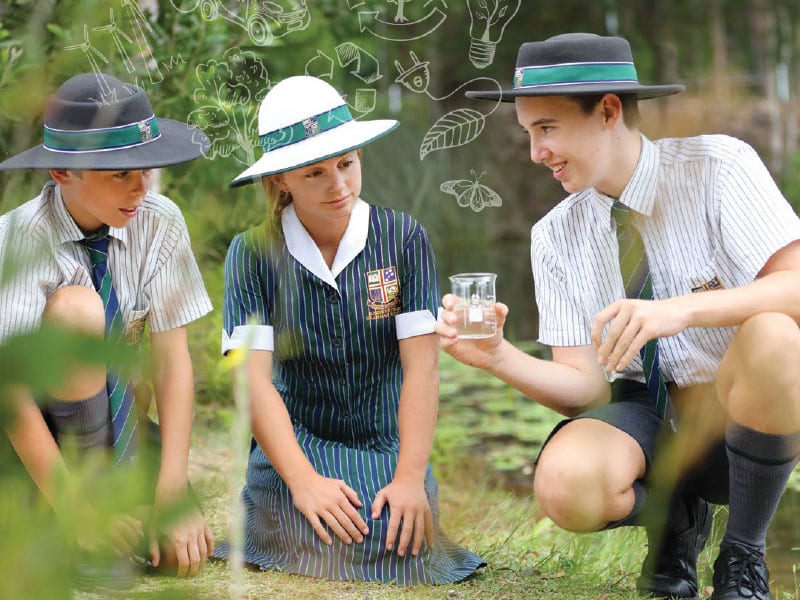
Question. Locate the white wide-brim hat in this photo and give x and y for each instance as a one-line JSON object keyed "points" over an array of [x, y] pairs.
{"points": [[304, 120]]}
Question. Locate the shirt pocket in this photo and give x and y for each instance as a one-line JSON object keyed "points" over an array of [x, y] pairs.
{"points": [[703, 277]]}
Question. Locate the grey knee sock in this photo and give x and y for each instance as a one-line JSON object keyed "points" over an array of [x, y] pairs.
{"points": [[760, 465], [87, 423]]}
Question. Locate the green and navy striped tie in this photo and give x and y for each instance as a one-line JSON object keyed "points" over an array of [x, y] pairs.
{"points": [[120, 391], [639, 284]]}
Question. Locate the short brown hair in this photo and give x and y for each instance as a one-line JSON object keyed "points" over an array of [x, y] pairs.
{"points": [[630, 106]]}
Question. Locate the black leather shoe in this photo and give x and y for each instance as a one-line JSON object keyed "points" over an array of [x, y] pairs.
{"points": [[740, 573], [670, 570]]}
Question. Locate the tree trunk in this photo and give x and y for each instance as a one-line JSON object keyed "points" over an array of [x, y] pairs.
{"points": [[720, 87]]}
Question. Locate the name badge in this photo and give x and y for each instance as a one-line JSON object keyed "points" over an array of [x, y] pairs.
{"points": [[712, 284]]}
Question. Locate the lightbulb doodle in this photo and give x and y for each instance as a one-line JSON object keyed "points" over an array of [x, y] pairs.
{"points": [[471, 193], [362, 65], [455, 128], [488, 21], [229, 93], [130, 40], [401, 27], [263, 20]]}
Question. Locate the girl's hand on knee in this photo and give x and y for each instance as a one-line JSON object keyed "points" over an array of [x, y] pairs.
{"points": [[410, 515], [326, 501]]}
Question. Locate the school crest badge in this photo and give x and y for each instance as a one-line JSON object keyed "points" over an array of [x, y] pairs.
{"points": [[383, 291], [145, 131], [518, 77], [311, 126]]}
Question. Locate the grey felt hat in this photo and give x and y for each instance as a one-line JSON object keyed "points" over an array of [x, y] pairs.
{"points": [[576, 64], [97, 122]]}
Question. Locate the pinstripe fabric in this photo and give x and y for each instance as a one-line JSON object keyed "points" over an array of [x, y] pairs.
{"points": [[337, 368], [709, 213], [152, 267], [151, 262], [120, 391]]}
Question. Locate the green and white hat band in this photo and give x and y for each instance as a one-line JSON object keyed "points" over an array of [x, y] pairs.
{"points": [[572, 73], [109, 138], [307, 128]]}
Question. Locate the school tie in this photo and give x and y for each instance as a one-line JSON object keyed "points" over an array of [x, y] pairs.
{"points": [[120, 391], [639, 284]]}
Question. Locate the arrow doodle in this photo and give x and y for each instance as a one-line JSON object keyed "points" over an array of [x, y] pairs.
{"points": [[320, 66], [404, 31], [367, 67]]}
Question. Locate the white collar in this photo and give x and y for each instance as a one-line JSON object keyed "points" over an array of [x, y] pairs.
{"points": [[303, 248]]}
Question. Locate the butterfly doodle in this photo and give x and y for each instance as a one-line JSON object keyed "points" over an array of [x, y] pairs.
{"points": [[470, 192]]}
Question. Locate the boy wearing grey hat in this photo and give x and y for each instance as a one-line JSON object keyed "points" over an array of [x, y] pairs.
{"points": [[102, 255], [668, 287]]}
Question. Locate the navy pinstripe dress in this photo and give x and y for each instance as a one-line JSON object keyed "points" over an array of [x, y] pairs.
{"points": [[337, 367]]}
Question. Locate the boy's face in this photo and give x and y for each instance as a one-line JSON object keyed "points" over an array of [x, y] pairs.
{"points": [[97, 198], [574, 145]]}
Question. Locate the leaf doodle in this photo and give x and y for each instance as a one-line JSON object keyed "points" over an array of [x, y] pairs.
{"points": [[472, 193], [456, 128]]}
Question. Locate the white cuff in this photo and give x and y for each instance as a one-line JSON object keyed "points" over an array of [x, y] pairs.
{"points": [[419, 322], [254, 337]]}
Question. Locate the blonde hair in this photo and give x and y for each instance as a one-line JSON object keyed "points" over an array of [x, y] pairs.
{"points": [[277, 200]]}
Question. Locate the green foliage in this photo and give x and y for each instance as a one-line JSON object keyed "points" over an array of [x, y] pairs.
{"points": [[790, 183], [208, 71]]}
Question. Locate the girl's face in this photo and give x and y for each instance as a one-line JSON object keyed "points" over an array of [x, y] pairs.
{"points": [[324, 191]]}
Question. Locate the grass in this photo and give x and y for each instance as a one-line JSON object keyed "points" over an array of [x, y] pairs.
{"points": [[477, 458], [527, 558]]}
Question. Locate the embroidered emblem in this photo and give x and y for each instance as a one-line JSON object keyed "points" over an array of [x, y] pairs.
{"points": [[518, 77], [384, 293], [311, 126], [712, 284], [134, 330], [145, 131]]}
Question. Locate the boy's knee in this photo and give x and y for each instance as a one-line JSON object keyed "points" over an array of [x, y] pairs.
{"points": [[759, 377], [570, 492], [765, 349], [78, 308]]}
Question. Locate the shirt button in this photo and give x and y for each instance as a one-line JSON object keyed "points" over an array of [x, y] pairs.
{"points": [[336, 341], [333, 298]]}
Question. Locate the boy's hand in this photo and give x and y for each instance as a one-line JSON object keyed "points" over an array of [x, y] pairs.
{"points": [[409, 509], [186, 545], [631, 324], [473, 352], [332, 501], [125, 534], [121, 534]]}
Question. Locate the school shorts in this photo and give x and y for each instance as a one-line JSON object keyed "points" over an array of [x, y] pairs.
{"points": [[632, 411]]}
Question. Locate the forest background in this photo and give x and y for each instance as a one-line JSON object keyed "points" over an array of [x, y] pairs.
{"points": [[459, 166]]}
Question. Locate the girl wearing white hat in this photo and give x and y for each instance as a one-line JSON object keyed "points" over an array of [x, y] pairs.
{"points": [[335, 301]]}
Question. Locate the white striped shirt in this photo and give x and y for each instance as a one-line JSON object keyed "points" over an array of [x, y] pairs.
{"points": [[153, 270], [707, 209]]}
